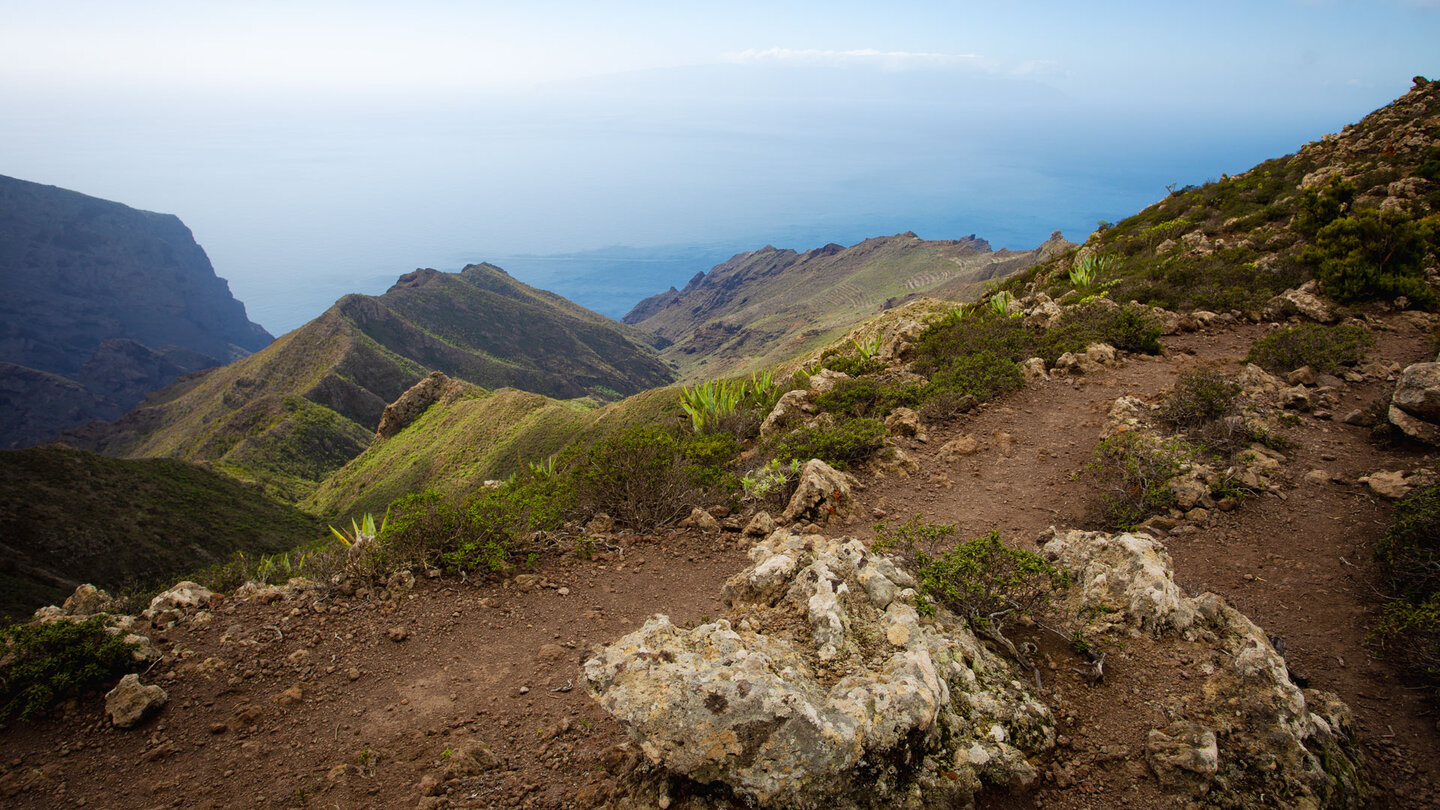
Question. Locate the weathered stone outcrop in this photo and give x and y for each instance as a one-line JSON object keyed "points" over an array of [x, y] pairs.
{"points": [[1250, 731], [824, 688], [1415, 406], [1300, 301], [399, 414], [823, 491]]}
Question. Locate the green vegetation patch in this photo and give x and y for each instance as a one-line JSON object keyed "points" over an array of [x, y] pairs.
{"points": [[43, 664], [1373, 255], [69, 517], [843, 444], [1409, 556], [1323, 348], [982, 580]]}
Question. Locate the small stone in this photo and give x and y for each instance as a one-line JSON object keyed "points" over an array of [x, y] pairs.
{"points": [[897, 634], [131, 701], [563, 591], [398, 633], [353, 673]]}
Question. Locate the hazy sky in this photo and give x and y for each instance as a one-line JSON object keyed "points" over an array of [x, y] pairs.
{"points": [[325, 147]]}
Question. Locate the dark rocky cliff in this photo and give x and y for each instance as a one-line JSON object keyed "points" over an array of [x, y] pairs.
{"points": [[118, 300]]}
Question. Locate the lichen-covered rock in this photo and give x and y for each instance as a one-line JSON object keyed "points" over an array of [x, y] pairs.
{"points": [[790, 409], [131, 701], [1292, 747], [904, 422], [760, 525], [182, 597], [87, 600], [1415, 406], [1122, 575], [1300, 301], [822, 491], [847, 699], [825, 380]]}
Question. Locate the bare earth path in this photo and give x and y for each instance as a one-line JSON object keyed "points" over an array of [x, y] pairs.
{"points": [[381, 722]]}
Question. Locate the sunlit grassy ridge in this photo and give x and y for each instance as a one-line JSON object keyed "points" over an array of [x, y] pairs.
{"points": [[289, 416]]}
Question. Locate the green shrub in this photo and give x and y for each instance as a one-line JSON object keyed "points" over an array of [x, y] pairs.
{"points": [[1199, 397], [422, 528], [638, 476], [1321, 206], [1375, 255], [981, 375], [853, 366], [1410, 549], [1409, 556], [1134, 472], [1122, 327], [982, 580], [774, 482], [500, 521], [1323, 348], [847, 442], [866, 396], [43, 664]]}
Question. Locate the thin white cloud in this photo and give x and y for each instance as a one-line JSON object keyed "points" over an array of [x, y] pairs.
{"points": [[867, 57]]}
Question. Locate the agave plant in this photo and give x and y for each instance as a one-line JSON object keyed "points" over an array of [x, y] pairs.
{"points": [[1088, 270], [869, 348], [361, 531], [1003, 302], [543, 469], [710, 402]]}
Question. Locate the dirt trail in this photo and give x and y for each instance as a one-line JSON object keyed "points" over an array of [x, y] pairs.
{"points": [[496, 664]]}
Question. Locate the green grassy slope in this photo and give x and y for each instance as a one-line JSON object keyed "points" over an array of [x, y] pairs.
{"points": [[68, 517], [472, 436], [290, 415], [1234, 243]]}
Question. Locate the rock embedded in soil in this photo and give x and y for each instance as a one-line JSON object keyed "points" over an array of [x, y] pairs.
{"points": [[130, 702], [824, 687], [1277, 742]]}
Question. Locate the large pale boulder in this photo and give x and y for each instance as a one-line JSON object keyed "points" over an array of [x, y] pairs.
{"points": [[1300, 301], [1418, 391], [1126, 575], [792, 407], [858, 704], [184, 596], [1277, 739]]}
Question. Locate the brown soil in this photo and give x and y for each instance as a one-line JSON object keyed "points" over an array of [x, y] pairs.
{"points": [[496, 663]]}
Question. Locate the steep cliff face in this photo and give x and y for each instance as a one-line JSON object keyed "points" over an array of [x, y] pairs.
{"points": [[118, 300], [770, 304]]}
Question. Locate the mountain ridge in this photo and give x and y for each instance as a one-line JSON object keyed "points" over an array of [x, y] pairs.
{"points": [[119, 300], [321, 389], [765, 306]]}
